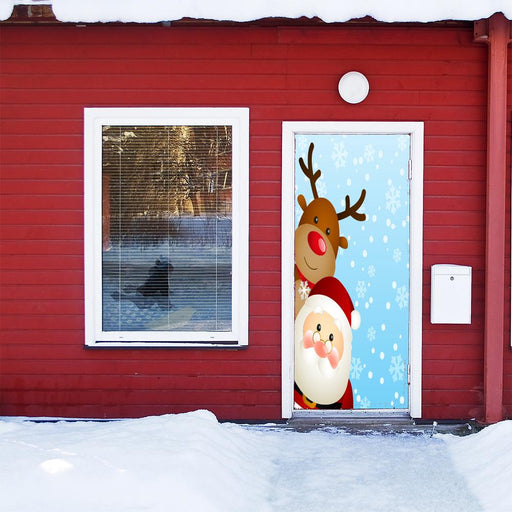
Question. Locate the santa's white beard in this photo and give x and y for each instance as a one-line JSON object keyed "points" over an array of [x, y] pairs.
{"points": [[315, 376]]}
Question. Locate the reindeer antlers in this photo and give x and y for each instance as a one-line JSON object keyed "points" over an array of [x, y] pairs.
{"points": [[351, 211], [308, 170]]}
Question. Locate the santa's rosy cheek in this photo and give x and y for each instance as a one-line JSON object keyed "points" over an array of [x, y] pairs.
{"points": [[321, 349], [308, 339]]}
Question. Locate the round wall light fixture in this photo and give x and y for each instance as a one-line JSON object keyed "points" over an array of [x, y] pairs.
{"points": [[353, 87]]}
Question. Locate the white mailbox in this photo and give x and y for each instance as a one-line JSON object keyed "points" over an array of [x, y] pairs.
{"points": [[450, 299]]}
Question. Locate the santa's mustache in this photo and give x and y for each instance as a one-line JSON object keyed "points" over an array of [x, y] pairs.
{"points": [[322, 348]]}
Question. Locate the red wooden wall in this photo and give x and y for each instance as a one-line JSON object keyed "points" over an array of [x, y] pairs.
{"points": [[429, 73], [507, 366]]}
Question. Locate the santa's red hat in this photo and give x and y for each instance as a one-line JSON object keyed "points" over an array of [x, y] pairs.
{"points": [[330, 287]]}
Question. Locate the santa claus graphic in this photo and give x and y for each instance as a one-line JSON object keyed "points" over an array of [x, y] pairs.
{"points": [[323, 341]]}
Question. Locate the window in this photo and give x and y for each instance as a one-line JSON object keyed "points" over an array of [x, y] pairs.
{"points": [[166, 226]]}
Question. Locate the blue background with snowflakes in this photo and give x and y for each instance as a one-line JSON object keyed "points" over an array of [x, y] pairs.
{"points": [[375, 267]]}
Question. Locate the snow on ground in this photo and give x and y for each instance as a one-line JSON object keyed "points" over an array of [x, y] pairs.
{"points": [[486, 462], [191, 462]]}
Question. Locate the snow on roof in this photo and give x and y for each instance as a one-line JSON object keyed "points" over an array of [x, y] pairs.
{"points": [[151, 11]]}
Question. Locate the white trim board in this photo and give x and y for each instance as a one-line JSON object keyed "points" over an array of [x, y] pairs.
{"points": [[94, 120], [416, 131]]}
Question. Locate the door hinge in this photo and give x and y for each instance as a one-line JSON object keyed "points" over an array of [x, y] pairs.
{"points": [[408, 374], [410, 169]]}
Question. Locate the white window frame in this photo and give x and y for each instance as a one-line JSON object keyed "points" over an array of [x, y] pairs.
{"points": [[415, 130], [94, 120]]}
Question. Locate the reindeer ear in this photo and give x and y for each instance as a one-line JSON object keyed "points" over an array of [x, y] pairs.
{"points": [[302, 202], [343, 242]]}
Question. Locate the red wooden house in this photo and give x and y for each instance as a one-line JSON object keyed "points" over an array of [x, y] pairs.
{"points": [[122, 297]]}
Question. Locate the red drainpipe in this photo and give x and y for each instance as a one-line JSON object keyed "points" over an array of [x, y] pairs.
{"points": [[496, 32]]}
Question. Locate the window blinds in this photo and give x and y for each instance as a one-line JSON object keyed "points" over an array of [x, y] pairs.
{"points": [[167, 228]]}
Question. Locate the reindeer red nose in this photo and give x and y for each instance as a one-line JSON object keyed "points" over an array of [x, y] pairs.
{"points": [[316, 243]]}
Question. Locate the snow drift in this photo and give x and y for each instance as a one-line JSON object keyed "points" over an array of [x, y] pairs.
{"points": [[183, 462], [486, 461]]}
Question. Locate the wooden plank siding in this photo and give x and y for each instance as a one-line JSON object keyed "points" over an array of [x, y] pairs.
{"points": [[429, 73], [507, 363]]}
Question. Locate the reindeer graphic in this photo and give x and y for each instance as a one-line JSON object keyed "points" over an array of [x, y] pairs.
{"points": [[317, 237]]}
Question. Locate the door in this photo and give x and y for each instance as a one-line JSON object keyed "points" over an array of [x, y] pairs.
{"points": [[352, 224]]}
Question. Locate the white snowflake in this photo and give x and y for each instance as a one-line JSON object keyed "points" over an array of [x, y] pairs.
{"points": [[339, 155], [403, 142], [321, 187], [397, 255], [365, 403], [392, 199], [402, 297], [371, 333], [361, 289], [397, 368], [302, 143], [369, 153], [304, 290], [371, 270], [356, 368]]}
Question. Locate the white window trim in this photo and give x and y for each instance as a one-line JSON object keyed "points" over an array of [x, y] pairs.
{"points": [[415, 130], [94, 119]]}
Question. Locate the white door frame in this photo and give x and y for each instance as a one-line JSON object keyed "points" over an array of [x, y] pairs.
{"points": [[415, 130]]}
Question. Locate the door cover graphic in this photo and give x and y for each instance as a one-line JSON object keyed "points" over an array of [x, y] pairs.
{"points": [[351, 271]]}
